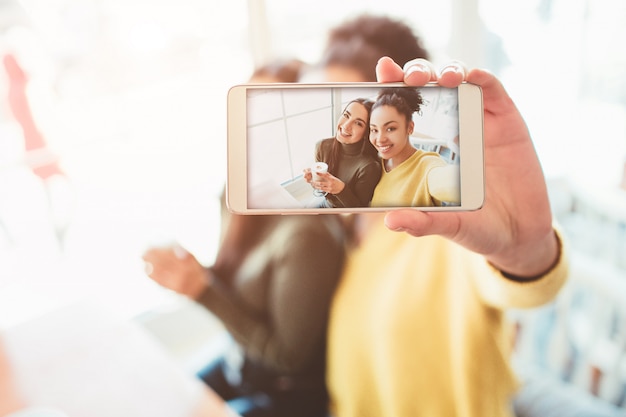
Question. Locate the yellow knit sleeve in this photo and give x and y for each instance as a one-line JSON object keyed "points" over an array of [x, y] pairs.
{"points": [[501, 292]]}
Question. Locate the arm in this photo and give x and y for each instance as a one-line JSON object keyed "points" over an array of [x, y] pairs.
{"points": [[513, 230], [443, 184], [501, 291], [356, 191], [359, 193], [304, 272]]}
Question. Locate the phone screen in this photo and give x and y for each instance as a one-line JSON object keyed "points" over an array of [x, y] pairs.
{"points": [[374, 154]]}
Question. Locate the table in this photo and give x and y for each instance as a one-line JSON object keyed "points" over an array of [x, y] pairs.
{"points": [[84, 362]]}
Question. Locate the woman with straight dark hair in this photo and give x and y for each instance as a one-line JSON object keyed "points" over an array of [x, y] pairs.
{"points": [[353, 169]]}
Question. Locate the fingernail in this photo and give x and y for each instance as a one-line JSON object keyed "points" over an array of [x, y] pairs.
{"points": [[448, 69], [419, 73], [418, 67], [180, 252], [457, 68]]}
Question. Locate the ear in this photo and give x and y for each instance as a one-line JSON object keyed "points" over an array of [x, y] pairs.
{"points": [[411, 127]]}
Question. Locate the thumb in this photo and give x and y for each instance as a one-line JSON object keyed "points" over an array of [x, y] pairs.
{"points": [[423, 223], [180, 252]]}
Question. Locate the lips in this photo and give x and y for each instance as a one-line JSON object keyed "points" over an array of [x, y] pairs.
{"points": [[344, 134], [384, 149]]}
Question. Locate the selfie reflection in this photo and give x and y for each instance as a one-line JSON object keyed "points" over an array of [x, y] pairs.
{"points": [[369, 132]]}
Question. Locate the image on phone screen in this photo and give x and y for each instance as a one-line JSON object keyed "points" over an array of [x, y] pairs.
{"points": [[337, 147]]}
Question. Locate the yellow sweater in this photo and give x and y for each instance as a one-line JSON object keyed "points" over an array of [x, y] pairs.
{"points": [[417, 329], [407, 184]]}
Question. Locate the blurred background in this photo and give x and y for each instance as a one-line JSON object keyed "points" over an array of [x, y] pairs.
{"points": [[128, 98]]}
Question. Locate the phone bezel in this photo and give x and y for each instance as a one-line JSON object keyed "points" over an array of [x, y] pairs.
{"points": [[471, 150]]}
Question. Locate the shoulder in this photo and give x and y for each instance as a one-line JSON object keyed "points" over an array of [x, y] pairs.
{"points": [[426, 159], [325, 143], [298, 231], [302, 240], [431, 156], [372, 166]]}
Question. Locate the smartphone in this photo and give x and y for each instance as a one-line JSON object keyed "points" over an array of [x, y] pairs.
{"points": [[275, 135]]}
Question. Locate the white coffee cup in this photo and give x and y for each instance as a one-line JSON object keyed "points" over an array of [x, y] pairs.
{"points": [[318, 168]]}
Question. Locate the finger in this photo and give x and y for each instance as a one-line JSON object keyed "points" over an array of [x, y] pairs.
{"points": [[495, 98], [419, 71], [149, 256], [162, 276], [148, 268], [388, 71], [155, 274], [420, 223], [452, 74], [180, 252], [157, 256], [163, 261], [155, 269]]}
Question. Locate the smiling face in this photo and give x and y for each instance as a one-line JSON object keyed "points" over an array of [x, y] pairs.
{"points": [[389, 133], [352, 124]]}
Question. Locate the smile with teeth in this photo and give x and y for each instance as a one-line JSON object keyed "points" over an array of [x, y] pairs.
{"points": [[383, 149]]}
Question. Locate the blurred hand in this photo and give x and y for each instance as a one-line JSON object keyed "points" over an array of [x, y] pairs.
{"points": [[176, 269], [513, 230]]}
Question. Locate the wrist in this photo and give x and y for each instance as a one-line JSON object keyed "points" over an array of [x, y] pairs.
{"points": [[533, 262], [209, 277], [340, 187], [203, 283]]}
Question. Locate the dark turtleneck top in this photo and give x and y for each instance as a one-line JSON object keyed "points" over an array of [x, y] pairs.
{"points": [[359, 172]]}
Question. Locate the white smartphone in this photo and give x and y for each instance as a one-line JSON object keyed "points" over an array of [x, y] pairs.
{"points": [[280, 134]]}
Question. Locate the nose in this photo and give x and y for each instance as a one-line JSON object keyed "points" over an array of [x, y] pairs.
{"points": [[347, 126]]}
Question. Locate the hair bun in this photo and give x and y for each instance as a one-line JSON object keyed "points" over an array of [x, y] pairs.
{"points": [[406, 100]]}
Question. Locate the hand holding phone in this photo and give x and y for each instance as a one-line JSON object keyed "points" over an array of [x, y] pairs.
{"points": [[514, 227]]}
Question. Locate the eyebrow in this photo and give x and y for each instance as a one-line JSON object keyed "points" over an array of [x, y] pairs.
{"points": [[350, 114], [386, 123]]}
